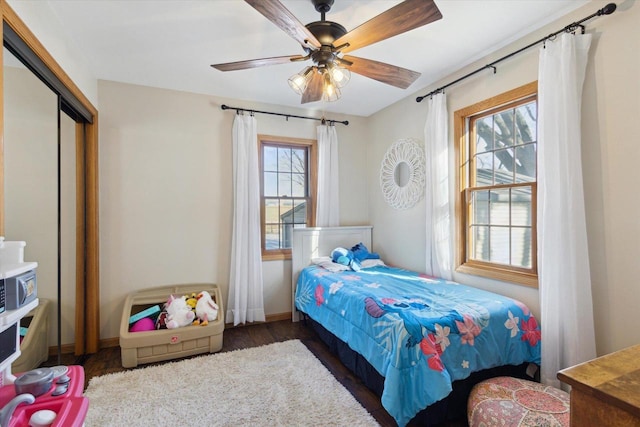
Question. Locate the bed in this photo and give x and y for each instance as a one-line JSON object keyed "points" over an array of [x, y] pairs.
{"points": [[415, 340]]}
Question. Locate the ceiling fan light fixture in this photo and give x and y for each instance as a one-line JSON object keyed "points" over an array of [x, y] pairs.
{"points": [[299, 82], [331, 91], [339, 75], [331, 95]]}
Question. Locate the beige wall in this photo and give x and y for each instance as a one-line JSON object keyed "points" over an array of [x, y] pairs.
{"points": [[166, 191], [611, 108]]}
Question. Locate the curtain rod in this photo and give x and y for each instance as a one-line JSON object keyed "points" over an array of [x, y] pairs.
{"points": [[323, 120], [607, 10]]}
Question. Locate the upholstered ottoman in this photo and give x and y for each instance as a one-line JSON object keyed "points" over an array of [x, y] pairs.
{"points": [[511, 402]]}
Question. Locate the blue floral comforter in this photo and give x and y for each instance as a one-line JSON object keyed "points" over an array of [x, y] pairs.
{"points": [[418, 332]]}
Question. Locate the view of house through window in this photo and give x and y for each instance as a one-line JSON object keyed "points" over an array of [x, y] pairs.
{"points": [[287, 193], [498, 187]]}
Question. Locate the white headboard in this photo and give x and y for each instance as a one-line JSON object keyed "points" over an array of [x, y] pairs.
{"points": [[314, 242]]}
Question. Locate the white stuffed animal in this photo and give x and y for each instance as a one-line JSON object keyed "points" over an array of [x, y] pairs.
{"points": [[179, 313], [206, 308]]}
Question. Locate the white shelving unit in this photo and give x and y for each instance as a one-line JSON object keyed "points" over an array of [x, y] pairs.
{"points": [[12, 264], [7, 320]]}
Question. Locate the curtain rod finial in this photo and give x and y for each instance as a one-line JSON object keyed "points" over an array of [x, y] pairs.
{"points": [[608, 9]]}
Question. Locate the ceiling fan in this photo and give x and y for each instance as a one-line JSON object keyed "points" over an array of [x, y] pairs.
{"points": [[325, 43]]}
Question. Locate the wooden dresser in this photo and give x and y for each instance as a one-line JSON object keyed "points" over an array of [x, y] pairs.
{"points": [[605, 391]]}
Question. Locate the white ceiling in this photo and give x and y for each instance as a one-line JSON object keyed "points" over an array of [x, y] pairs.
{"points": [[171, 44]]}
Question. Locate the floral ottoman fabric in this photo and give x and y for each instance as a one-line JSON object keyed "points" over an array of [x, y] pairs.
{"points": [[511, 402]]}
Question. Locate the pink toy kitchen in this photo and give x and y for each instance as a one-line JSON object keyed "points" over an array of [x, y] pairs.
{"points": [[46, 396]]}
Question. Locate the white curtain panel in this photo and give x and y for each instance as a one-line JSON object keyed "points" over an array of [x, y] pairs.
{"points": [[328, 200], [438, 216], [566, 304], [245, 273]]}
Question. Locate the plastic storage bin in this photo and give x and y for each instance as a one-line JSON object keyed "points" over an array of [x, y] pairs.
{"points": [[166, 344], [34, 348]]}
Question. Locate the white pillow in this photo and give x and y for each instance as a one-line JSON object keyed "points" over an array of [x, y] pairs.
{"points": [[366, 263], [326, 263]]}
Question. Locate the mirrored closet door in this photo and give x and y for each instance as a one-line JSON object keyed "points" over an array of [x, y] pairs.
{"points": [[49, 176], [40, 189]]}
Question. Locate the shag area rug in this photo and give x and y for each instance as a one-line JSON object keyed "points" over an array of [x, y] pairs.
{"points": [[281, 384]]}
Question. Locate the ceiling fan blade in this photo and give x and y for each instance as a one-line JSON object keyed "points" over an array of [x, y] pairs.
{"points": [[399, 19], [275, 12], [314, 89], [385, 73], [254, 63]]}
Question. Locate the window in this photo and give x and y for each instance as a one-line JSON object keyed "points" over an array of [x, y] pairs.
{"points": [[496, 143], [288, 190]]}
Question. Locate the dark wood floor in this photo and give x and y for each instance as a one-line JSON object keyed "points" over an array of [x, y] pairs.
{"points": [[108, 360]]}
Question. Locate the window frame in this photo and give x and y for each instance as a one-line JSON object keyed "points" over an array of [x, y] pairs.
{"points": [[463, 138], [312, 184]]}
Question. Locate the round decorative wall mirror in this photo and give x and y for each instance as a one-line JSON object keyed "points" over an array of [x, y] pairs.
{"points": [[402, 174]]}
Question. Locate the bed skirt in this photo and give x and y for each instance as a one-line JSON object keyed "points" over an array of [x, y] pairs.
{"points": [[453, 407]]}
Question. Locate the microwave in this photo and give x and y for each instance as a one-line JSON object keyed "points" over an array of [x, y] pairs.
{"points": [[18, 290]]}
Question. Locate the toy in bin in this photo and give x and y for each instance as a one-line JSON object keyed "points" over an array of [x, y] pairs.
{"points": [[142, 325], [144, 320], [206, 309], [196, 309], [179, 313]]}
